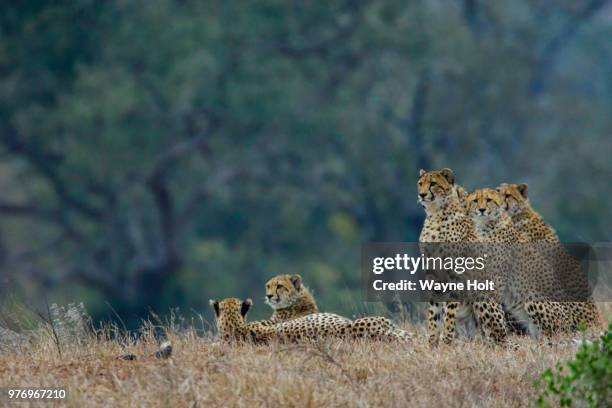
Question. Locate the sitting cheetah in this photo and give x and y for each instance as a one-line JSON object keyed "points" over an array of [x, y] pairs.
{"points": [[289, 298], [533, 228], [446, 221], [230, 317], [526, 220], [528, 285], [512, 325]]}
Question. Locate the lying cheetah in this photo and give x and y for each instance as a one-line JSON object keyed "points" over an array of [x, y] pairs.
{"points": [[230, 317], [529, 284], [289, 298], [446, 221], [533, 228]]}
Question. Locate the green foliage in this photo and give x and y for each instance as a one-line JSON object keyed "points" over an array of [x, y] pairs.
{"points": [[585, 380], [162, 152]]}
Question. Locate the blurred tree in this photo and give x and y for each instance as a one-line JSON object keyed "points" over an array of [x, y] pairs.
{"points": [[163, 152]]}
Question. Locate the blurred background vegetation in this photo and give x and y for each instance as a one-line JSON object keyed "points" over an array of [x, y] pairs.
{"points": [[158, 153]]}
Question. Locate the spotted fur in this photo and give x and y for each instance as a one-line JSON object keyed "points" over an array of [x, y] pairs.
{"points": [[532, 228], [446, 221], [289, 298], [230, 317], [529, 284]]}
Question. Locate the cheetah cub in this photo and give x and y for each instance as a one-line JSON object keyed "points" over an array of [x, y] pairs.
{"points": [[532, 228], [530, 285], [446, 221], [289, 298]]}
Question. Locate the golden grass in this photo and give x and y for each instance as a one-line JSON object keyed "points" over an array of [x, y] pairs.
{"points": [[205, 373]]}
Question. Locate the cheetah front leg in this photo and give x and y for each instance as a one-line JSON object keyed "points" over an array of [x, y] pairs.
{"points": [[450, 321], [492, 320], [434, 318]]}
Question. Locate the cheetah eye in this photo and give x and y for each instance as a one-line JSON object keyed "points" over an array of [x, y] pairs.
{"points": [[279, 286], [489, 200], [433, 184]]}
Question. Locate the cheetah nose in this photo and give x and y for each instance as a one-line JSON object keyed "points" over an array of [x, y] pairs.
{"points": [[269, 296], [422, 195], [482, 210]]}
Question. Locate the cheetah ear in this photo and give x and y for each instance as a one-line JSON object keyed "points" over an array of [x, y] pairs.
{"points": [[215, 305], [297, 281], [246, 306], [461, 192], [421, 172], [522, 188], [449, 175]]}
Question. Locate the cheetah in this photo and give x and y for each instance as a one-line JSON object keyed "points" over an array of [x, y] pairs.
{"points": [[533, 228], [289, 298], [230, 317], [526, 220], [447, 222], [528, 284], [513, 326]]}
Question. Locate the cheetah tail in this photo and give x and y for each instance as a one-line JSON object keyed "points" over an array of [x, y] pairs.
{"points": [[401, 335]]}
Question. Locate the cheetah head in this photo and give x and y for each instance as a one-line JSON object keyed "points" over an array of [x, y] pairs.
{"points": [[485, 204], [230, 316], [435, 187], [283, 290], [515, 197]]}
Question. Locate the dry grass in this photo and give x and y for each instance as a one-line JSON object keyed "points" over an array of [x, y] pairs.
{"points": [[205, 373]]}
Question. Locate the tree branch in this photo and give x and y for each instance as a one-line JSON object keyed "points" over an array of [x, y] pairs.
{"points": [[547, 58], [412, 125], [28, 210], [173, 155], [41, 161], [193, 202], [471, 12], [417, 116]]}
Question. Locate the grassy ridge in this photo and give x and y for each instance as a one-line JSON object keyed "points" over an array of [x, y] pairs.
{"points": [[203, 372]]}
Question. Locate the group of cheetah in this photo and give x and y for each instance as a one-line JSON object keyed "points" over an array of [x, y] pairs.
{"points": [[532, 279], [296, 317], [501, 215]]}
